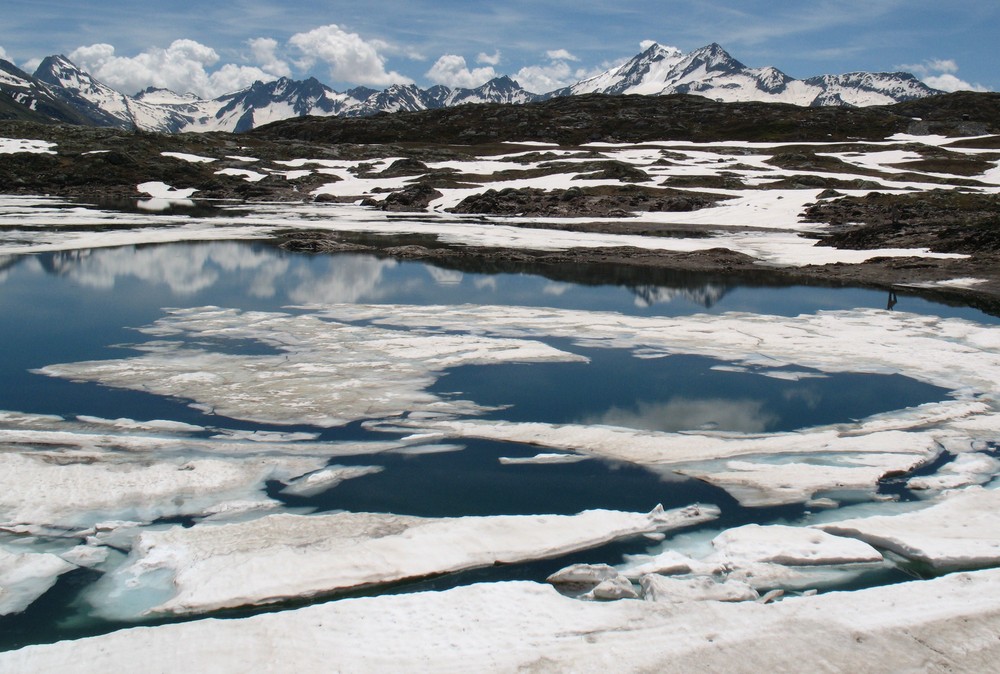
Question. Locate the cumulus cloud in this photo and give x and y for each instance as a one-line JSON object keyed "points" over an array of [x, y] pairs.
{"points": [[452, 70], [949, 82], [940, 74], [265, 53], [553, 74], [545, 77], [560, 55], [489, 59], [3, 54], [182, 67], [349, 57]]}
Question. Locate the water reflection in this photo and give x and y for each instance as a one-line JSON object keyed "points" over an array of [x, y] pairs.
{"points": [[686, 414], [269, 272], [233, 272], [159, 205], [345, 279], [199, 268], [707, 295]]}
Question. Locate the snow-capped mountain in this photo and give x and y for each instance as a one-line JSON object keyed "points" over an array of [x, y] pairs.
{"points": [[101, 104], [265, 102], [498, 90], [30, 98], [77, 97], [712, 72]]}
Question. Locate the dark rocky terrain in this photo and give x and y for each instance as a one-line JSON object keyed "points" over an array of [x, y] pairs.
{"points": [[634, 119]]}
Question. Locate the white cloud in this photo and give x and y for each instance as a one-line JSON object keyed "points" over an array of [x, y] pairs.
{"points": [[560, 55], [930, 66], [940, 74], [944, 66], [489, 59], [3, 54], [182, 67], [555, 74], [409, 52], [544, 78], [452, 70], [948, 82], [350, 58], [646, 44], [265, 53]]}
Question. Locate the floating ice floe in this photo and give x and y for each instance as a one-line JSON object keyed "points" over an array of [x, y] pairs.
{"points": [[25, 576], [77, 488], [791, 546], [945, 624], [668, 590], [122, 437], [543, 458], [323, 373], [326, 478], [958, 530], [208, 567], [964, 470], [759, 558]]}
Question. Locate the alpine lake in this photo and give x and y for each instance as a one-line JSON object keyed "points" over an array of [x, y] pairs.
{"points": [[87, 306]]}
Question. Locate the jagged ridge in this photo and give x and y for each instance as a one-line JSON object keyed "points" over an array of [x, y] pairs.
{"points": [[710, 71]]}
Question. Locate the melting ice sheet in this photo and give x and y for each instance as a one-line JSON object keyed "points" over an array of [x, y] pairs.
{"points": [[315, 368], [333, 364], [210, 566]]}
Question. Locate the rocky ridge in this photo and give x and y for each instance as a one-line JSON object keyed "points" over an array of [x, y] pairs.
{"points": [[708, 72]]}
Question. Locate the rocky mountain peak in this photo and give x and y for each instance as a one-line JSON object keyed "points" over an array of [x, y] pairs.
{"points": [[708, 71]]}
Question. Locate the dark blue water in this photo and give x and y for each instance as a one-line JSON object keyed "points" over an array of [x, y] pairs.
{"points": [[60, 308]]}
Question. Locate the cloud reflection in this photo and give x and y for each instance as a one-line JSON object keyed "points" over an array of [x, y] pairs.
{"points": [[685, 414], [346, 279], [263, 272]]}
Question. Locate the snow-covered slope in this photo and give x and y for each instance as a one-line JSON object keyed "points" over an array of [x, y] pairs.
{"points": [[498, 90], [25, 97], [712, 72], [105, 105], [101, 104], [709, 71]]}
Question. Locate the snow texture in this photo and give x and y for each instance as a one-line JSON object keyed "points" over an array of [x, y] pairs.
{"points": [[25, 576], [217, 566], [958, 530], [945, 624]]}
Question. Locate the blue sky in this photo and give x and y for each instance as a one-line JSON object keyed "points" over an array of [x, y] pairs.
{"points": [[210, 48]]}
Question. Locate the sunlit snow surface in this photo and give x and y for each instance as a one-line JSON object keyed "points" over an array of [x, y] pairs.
{"points": [[512, 627], [212, 566]]}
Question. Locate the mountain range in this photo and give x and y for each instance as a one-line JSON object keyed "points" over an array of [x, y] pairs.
{"points": [[60, 91]]}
